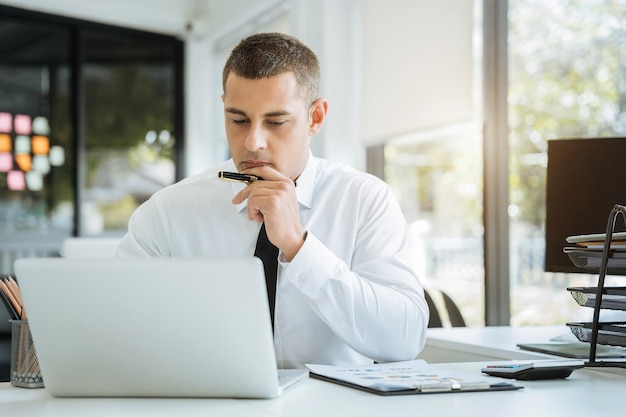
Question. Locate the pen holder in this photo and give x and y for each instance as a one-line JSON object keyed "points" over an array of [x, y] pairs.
{"points": [[25, 370]]}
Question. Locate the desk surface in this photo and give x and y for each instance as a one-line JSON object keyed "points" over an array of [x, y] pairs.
{"points": [[478, 344], [587, 392]]}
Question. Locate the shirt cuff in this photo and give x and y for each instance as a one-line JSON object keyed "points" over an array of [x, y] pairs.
{"points": [[310, 268]]}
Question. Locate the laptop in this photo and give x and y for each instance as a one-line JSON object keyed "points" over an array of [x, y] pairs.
{"points": [[152, 327]]}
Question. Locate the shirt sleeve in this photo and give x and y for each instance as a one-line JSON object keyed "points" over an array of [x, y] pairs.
{"points": [[376, 305], [144, 233]]}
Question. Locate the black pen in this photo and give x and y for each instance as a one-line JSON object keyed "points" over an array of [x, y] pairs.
{"points": [[237, 177]]}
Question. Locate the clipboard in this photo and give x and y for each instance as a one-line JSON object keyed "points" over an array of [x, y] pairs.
{"points": [[406, 378], [500, 386]]}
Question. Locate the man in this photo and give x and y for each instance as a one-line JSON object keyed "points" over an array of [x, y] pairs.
{"points": [[346, 292]]}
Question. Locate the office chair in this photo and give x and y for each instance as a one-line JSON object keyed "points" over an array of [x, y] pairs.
{"points": [[452, 310], [454, 314], [435, 319]]}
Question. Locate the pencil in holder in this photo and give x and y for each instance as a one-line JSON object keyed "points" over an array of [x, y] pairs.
{"points": [[25, 370]]}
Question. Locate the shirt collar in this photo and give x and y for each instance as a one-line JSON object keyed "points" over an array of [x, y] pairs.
{"points": [[304, 189], [306, 182]]}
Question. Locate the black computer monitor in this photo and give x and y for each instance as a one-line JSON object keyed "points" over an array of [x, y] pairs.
{"points": [[586, 178]]}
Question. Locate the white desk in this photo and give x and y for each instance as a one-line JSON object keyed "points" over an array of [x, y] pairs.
{"points": [[478, 344], [587, 392]]}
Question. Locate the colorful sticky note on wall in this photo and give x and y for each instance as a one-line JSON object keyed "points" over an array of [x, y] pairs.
{"points": [[5, 143], [34, 181], [6, 122], [6, 161], [22, 124], [24, 161], [15, 181], [57, 156], [41, 164], [41, 126], [22, 144], [41, 145]]}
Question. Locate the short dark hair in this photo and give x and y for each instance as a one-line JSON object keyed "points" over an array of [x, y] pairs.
{"points": [[265, 55]]}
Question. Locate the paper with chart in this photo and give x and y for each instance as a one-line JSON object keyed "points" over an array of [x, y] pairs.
{"points": [[408, 375]]}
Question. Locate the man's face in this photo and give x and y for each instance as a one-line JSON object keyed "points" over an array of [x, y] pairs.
{"points": [[267, 123]]}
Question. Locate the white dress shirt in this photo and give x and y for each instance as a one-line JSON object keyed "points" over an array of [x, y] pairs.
{"points": [[349, 296]]}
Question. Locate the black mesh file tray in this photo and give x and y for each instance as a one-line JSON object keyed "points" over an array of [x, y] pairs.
{"points": [[613, 298], [610, 260], [613, 333]]}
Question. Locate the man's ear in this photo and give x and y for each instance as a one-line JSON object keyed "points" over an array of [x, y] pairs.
{"points": [[318, 111]]}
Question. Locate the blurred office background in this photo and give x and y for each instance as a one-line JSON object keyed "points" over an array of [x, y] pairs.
{"points": [[451, 102]]}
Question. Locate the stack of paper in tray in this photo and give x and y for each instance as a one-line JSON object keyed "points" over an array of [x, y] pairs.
{"points": [[586, 251]]}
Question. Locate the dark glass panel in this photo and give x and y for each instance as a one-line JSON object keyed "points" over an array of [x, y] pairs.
{"points": [[129, 98], [35, 101]]}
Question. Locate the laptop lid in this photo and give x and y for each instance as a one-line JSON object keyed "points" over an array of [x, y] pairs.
{"points": [[166, 327]]}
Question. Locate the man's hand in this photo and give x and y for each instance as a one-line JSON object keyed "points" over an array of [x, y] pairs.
{"points": [[274, 202]]}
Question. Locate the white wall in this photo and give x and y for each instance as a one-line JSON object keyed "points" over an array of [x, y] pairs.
{"points": [[333, 29], [163, 16], [417, 67]]}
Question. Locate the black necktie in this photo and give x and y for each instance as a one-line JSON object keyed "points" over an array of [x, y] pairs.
{"points": [[268, 253]]}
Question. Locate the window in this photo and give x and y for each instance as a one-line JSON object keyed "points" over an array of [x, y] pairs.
{"points": [[437, 178], [129, 89], [90, 126], [566, 80], [434, 165], [559, 74]]}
